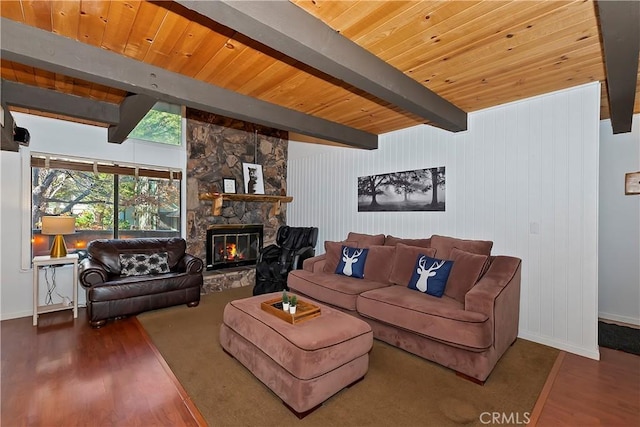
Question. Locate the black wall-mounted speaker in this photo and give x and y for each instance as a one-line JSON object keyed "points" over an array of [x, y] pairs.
{"points": [[21, 136]]}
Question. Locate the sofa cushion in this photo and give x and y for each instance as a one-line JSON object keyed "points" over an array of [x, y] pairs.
{"points": [[379, 263], [352, 262], [444, 245], [430, 275], [366, 240], [467, 270], [443, 319], [393, 241], [107, 251], [404, 261], [330, 288], [130, 287], [333, 254], [142, 264]]}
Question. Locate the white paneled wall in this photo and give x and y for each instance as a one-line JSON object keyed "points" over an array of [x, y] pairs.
{"points": [[524, 175]]}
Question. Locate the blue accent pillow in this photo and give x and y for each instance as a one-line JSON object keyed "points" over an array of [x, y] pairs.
{"points": [[352, 262], [430, 275]]}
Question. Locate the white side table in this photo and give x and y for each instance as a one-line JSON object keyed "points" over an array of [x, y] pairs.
{"points": [[45, 261]]}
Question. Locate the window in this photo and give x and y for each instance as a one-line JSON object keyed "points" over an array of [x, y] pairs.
{"points": [[163, 123], [108, 201]]}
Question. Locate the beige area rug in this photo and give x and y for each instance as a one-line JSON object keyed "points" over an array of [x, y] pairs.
{"points": [[400, 389]]}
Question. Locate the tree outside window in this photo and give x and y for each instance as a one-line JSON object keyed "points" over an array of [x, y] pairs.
{"points": [[163, 123], [144, 207]]}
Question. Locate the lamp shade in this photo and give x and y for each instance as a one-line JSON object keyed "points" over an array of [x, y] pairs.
{"points": [[58, 226], [54, 225]]}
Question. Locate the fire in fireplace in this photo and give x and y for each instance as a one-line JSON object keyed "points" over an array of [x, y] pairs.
{"points": [[233, 245]]}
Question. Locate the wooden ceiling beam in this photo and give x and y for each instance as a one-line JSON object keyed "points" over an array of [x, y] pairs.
{"points": [[41, 49], [285, 27], [621, 40], [132, 109], [51, 101]]}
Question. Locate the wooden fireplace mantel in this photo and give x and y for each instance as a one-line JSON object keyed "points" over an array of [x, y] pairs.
{"points": [[218, 198]]}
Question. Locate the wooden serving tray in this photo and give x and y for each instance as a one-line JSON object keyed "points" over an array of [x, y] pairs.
{"points": [[305, 310]]}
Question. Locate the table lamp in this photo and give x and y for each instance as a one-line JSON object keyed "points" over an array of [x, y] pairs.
{"points": [[58, 226]]}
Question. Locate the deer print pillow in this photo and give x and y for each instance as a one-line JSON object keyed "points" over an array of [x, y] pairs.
{"points": [[430, 275], [352, 262]]}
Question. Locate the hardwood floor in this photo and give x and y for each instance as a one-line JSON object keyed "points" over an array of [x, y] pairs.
{"points": [[586, 392], [63, 373]]}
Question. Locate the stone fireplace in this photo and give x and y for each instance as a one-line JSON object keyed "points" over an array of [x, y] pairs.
{"points": [[233, 245], [217, 147]]}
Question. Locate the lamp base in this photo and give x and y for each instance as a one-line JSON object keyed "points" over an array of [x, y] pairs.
{"points": [[59, 248]]}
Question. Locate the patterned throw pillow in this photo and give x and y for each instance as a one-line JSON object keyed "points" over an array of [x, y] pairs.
{"points": [[352, 262], [141, 264], [430, 275]]}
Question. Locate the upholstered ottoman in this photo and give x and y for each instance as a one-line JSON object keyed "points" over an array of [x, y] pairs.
{"points": [[303, 363]]}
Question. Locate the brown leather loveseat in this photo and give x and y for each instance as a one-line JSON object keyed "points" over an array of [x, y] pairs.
{"points": [[125, 277]]}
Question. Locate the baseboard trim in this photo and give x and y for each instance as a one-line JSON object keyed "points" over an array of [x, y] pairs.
{"points": [[570, 348], [16, 315], [617, 318], [23, 313]]}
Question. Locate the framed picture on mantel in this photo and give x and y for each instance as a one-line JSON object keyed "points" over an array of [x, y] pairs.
{"points": [[253, 180], [229, 185]]}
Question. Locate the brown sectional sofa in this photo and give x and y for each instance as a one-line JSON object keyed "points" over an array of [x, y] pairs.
{"points": [[468, 329]]}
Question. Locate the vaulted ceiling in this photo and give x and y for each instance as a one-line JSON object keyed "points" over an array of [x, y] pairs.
{"points": [[345, 71]]}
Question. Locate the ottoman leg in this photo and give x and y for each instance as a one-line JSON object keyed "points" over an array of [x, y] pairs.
{"points": [[301, 415]]}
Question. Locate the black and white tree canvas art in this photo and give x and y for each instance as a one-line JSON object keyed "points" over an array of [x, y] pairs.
{"points": [[416, 190]]}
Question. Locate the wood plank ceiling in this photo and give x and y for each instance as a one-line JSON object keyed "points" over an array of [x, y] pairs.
{"points": [[475, 54]]}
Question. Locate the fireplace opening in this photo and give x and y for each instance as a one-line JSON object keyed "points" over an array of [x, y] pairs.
{"points": [[233, 245]]}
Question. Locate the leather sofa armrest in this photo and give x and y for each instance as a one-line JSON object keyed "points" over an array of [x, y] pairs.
{"points": [[497, 295], [92, 272], [301, 255], [315, 263], [190, 264]]}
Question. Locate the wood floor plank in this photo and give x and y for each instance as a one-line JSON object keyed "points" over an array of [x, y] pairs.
{"points": [[591, 392], [63, 372]]}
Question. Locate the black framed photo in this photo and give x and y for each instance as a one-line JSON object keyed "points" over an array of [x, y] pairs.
{"points": [[414, 190], [229, 185]]}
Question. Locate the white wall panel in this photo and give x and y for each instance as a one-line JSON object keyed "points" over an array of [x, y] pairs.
{"points": [[524, 175]]}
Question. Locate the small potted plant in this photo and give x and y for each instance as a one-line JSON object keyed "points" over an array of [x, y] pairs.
{"points": [[293, 305], [285, 301]]}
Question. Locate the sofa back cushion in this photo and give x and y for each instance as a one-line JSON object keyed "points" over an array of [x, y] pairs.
{"points": [[366, 240], [466, 271], [393, 241], [107, 251], [379, 263], [404, 261], [444, 245]]}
